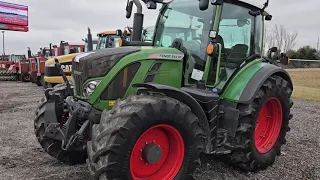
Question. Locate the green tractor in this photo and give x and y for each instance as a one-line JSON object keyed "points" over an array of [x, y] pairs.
{"points": [[148, 110]]}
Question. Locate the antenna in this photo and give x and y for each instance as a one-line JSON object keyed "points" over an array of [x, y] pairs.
{"points": [[266, 4], [318, 45]]}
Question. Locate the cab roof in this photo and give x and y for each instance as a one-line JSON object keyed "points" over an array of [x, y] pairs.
{"points": [[104, 33], [257, 3]]}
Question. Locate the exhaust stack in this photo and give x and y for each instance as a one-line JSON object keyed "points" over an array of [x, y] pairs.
{"points": [[89, 39]]}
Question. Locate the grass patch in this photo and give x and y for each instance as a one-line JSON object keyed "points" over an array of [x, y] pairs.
{"points": [[306, 84]]}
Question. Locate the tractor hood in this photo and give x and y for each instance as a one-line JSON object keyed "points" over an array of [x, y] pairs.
{"points": [[66, 65], [62, 59], [98, 63]]}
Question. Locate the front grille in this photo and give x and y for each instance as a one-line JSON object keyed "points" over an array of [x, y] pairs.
{"points": [[79, 75], [97, 64]]}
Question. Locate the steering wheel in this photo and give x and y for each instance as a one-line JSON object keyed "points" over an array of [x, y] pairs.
{"points": [[193, 45], [196, 38]]}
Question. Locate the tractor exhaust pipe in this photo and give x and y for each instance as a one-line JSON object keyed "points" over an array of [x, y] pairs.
{"points": [[58, 65], [61, 47], [50, 48], [89, 39], [137, 22], [29, 53]]}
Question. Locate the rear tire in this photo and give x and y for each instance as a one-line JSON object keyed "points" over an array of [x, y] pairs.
{"points": [[25, 77], [31, 78], [38, 80], [115, 150], [263, 125], [53, 146]]}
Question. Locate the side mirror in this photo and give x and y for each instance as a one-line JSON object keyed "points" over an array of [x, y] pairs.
{"points": [[268, 17], [129, 9], [274, 49], [119, 32], [284, 59], [203, 5], [151, 5], [242, 22]]}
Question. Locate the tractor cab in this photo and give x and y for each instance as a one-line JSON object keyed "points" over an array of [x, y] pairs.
{"points": [[109, 39], [237, 34], [67, 48]]}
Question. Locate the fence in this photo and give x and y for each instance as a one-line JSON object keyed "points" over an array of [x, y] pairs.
{"points": [[303, 63]]}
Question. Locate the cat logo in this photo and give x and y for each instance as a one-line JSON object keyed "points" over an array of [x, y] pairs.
{"points": [[67, 67]]}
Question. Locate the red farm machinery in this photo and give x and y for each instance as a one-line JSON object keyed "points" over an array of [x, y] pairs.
{"points": [[37, 63], [12, 67]]}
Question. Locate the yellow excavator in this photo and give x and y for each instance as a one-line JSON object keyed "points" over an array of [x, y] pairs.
{"points": [[106, 39]]}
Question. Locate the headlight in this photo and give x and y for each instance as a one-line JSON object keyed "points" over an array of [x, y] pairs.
{"points": [[90, 87]]}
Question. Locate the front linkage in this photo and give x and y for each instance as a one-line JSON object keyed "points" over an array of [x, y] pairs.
{"points": [[66, 117]]}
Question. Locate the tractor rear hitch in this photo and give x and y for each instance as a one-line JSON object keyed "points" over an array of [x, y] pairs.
{"points": [[58, 65]]}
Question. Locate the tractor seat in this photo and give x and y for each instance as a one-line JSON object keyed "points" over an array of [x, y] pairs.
{"points": [[237, 55]]}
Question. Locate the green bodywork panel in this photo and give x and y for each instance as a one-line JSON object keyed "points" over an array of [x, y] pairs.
{"points": [[236, 86], [169, 74]]}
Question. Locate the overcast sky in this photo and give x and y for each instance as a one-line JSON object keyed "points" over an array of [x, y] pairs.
{"points": [[56, 20]]}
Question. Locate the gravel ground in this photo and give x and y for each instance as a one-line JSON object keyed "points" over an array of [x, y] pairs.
{"points": [[22, 158]]}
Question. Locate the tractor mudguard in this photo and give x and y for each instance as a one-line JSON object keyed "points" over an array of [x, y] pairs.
{"points": [[184, 97], [256, 81]]}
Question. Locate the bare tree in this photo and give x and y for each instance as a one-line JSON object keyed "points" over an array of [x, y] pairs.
{"points": [[279, 33], [269, 38], [289, 41], [279, 36]]}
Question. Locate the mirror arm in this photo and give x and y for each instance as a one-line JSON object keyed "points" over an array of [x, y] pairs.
{"points": [[139, 6]]}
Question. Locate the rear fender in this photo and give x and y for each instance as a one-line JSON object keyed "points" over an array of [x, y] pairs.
{"points": [[247, 82], [256, 81], [186, 99]]}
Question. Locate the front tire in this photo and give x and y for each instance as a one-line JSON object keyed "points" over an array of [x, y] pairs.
{"points": [[263, 125], [124, 144]]}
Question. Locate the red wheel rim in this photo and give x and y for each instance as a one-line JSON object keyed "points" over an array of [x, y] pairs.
{"points": [[27, 78], [268, 125], [172, 147]]}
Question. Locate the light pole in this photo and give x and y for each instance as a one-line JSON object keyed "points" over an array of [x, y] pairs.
{"points": [[3, 45]]}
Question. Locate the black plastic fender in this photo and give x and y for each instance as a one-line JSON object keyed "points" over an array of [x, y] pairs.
{"points": [[187, 99], [256, 81]]}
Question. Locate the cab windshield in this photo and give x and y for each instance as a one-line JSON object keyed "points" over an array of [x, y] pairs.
{"points": [[148, 34], [109, 41], [182, 19], [102, 43], [16, 58]]}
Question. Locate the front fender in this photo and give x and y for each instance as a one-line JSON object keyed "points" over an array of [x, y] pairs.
{"points": [[187, 99]]}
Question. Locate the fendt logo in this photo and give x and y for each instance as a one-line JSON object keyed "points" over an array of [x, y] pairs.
{"points": [[66, 67], [166, 56], [170, 56]]}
